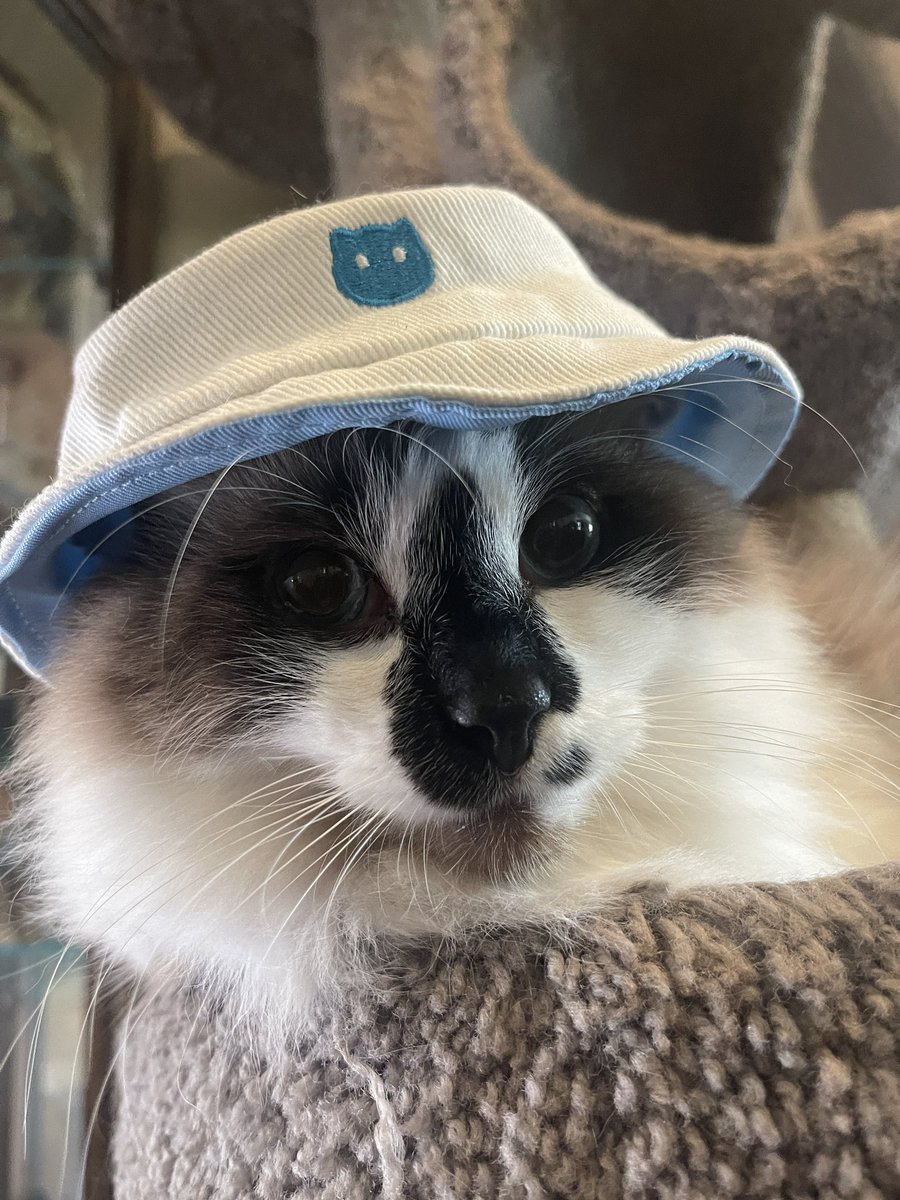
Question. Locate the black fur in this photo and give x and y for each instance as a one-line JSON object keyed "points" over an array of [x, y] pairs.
{"points": [[461, 640]]}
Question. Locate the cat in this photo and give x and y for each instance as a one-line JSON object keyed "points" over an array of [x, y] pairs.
{"points": [[399, 681]]}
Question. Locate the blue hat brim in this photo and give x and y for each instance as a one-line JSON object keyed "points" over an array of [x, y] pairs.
{"points": [[730, 426]]}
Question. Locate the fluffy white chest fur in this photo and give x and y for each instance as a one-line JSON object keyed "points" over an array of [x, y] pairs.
{"points": [[397, 684]]}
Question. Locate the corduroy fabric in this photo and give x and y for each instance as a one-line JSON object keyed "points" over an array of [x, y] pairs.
{"points": [[731, 1044], [256, 323]]}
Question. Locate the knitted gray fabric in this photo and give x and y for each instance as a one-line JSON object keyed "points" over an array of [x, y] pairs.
{"points": [[734, 1043]]}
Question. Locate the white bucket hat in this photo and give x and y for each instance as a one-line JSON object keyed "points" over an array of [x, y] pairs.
{"points": [[461, 307]]}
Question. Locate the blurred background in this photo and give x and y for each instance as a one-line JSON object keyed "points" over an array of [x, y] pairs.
{"points": [[101, 191]]}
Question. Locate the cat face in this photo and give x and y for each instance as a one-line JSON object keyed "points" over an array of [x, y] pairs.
{"points": [[399, 681], [380, 265], [452, 628]]}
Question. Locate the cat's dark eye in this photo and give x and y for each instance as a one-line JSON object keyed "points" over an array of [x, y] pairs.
{"points": [[326, 587], [560, 541]]}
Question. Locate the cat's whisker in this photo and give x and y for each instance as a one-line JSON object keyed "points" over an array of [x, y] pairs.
{"points": [[769, 386], [330, 856], [36, 1011], [347, 814], [368, 835], [612, 783], [112, 891], [664, 767], [182, 549], [82, 1052], [165, 885], [281, 864], [62, 956]]}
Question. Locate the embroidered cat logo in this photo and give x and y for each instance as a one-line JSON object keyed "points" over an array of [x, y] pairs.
{"points": [[379, 265]]}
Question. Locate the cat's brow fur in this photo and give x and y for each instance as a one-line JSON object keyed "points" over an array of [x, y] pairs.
{"points": [[208, 786]]}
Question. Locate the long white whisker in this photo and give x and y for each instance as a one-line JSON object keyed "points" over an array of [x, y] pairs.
{"points": [[182, 550]]}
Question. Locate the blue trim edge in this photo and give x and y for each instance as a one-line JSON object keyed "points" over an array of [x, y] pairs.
{"points": [[744, 422]]}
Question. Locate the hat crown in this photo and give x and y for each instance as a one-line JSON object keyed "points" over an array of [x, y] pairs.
{"points": [[278, 302]]}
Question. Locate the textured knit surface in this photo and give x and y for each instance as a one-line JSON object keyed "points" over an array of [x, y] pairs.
{"points": [[737, 1043]]}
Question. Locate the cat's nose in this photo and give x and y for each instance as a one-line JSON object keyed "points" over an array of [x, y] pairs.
{"points": [[506, 706]]}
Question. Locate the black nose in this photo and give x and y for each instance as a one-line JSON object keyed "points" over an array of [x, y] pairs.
{"points": [[507, 704]]}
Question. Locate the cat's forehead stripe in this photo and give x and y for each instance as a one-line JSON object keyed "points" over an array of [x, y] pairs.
{"points": [[456, 496]]}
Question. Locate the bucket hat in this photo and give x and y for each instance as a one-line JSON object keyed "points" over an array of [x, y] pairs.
{"points": [[459, 307]]}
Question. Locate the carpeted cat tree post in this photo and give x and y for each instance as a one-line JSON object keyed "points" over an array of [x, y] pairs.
{"points": [[736, 1044], [733, 1043]]}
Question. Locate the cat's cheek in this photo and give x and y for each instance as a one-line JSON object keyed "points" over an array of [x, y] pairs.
{"points": [[342, 713], [617, 643], [342, 724]]}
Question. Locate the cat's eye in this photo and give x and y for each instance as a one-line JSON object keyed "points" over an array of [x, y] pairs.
{"points": [[560, 541], [326, 587]]}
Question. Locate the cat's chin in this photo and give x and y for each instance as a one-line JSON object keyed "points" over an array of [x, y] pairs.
{"points": [[498, 843]]}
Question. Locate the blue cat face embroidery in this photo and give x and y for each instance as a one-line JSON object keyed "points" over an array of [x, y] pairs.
{"points": [[379, 265]]}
